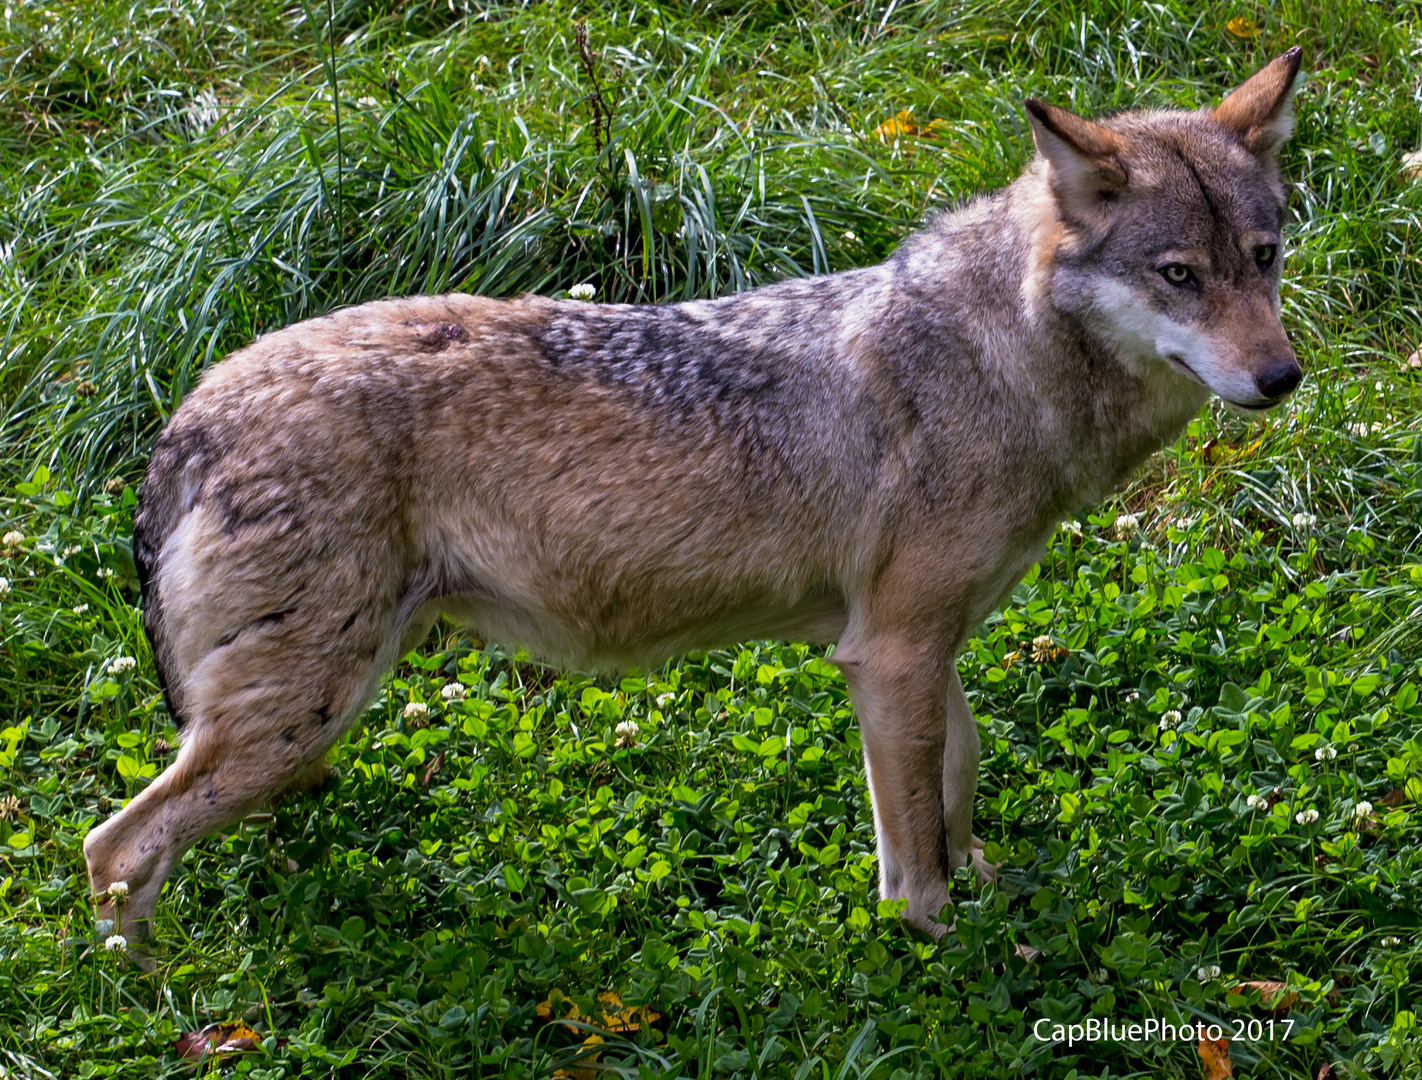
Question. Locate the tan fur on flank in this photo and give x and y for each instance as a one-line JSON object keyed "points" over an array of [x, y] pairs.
{"points": [[871, 458]]}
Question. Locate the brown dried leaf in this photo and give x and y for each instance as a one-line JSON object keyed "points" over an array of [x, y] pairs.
{"points": [[1325, 1072], [230, 1038], [1268, 990], [1214, 1058], [433, 770]]}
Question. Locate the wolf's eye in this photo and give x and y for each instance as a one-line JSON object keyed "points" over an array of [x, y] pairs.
{"points": [[1178, 274], [1264, 255]]}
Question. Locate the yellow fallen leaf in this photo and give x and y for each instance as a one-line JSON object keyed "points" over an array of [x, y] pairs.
{"points": [[558, 1006], [608, 1012], [896, 126], [584, 1070], [1214, 1057], [619, 1017], [1242, 27]]}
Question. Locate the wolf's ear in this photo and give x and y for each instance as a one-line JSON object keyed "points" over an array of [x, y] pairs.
{"points": [[1261, 110], [1085, 157]]}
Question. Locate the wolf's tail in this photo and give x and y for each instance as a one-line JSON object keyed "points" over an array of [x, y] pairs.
{"points": [[170, 489]]}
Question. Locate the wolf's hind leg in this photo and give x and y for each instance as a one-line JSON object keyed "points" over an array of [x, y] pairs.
{"points": [[259, 717]]}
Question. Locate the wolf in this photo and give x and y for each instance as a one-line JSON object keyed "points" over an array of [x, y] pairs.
{"points": [[871, 458]]}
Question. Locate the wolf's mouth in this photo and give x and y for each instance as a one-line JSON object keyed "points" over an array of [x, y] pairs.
{"points": [[1260, 406], [1177, 361]]}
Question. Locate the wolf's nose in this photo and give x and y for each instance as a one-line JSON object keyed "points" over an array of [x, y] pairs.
{"points": [[1279, 378]]}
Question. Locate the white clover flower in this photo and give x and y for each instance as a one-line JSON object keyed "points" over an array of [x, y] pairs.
{"points": [[1207, 972], [1071, 527], [1146, 545], [585, 291], [114, 942], [105, 572], [1126, 524], [1169, 719], [1133, 697], [1363, 810], [1389, 941], [1306, 817], [453, 691], [627, 733], [849, 236], [1304, 521], [416, 710], [12, 539], [4, 586], [1257, 802], [1042, 648], [662, 700], [79, 609], [72, 549], [121, 665], [1325, 753], [118, 891]]}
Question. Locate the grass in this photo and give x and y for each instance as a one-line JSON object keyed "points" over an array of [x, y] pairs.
{"points": [[184, 175]]}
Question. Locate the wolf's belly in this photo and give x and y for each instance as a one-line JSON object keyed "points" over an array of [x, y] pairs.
{"points": [[616, 638]]}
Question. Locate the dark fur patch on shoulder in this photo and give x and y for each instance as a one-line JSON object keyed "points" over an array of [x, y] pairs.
{"points": [[663, 354]]}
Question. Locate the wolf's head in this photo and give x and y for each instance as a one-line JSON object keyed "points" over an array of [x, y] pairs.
{"points": [[1168, 239]]}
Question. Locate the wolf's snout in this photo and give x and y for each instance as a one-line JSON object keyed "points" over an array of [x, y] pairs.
{"points": [[1278, 377]]}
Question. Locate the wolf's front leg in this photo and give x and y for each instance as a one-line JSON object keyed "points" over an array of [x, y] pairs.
{"points": [[922, 759]]}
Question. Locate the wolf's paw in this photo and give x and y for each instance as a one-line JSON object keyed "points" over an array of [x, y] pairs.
{"points": [[130, 941], [925, 902]]}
